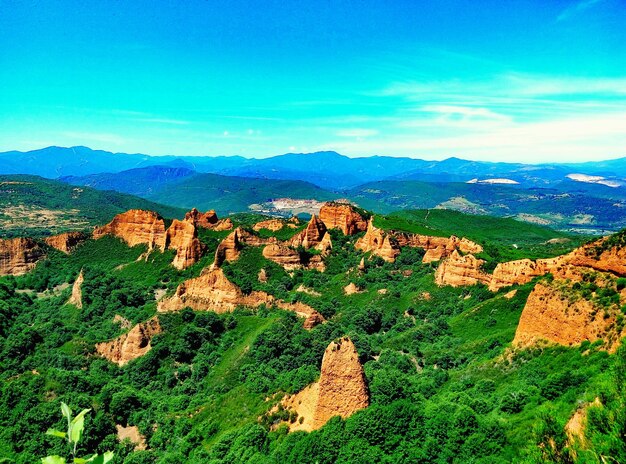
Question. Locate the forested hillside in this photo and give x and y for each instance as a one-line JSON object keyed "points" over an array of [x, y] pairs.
{"points": [[200, 362]]}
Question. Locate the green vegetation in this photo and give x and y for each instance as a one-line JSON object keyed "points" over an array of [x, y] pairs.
{"points": [[445, 385], [33, 206]]}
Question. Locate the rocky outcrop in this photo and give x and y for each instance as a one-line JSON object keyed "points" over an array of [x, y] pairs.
{"points": [[207, 220], [326, 245], [136, 227], [458, 270], [67, 241], [131, 345], [284, 256], [212, 291], [224, 224], [230, 247], [344, 217], [603, 255], [556, 313], [576, 426], [273, 225], [340, 391], [131, 433], [437, 248], [378, 242], [183, 237], [516, 272], [19, 255], [311, 235], [351, 289], [77, 291]]}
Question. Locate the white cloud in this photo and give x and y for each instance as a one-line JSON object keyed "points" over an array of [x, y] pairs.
{"points": [[575, 8]]}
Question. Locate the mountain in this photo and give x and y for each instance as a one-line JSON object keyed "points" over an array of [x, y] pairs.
{"points": [[582, 207], [444, 350], [328, 170], [142, 182], [31, 205]]}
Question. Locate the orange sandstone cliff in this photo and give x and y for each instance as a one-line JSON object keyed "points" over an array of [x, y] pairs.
{"points": [[77, 291], [183, 237], [311, 235], [136, 227], [340, 391], [378, 242], [457, 271], [342, 216], [131, 345], [67, 241], [212, 291], [19, 255]]}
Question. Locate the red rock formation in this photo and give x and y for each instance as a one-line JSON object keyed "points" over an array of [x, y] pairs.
{"points": [[207, 220], [230, 247], [437, 248], [77, 291], [344, 217], [378, 243], [555, 313], [601, 257], [311, 235], [282, 255], [516, 272], [183, 237], [136, 227], [458, 271], [19, 255], [224, 224], [67, 241], [270, 224], [130, 345], [340, 391], [212, 291], [326, 245]]}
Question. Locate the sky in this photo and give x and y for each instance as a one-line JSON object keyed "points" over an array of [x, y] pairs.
{"points": [[528, 81]]}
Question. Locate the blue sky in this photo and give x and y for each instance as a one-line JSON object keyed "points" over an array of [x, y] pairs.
{"points": [[491, 80]]}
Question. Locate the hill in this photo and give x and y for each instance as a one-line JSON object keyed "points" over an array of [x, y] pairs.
{"points": [[575, 211], [414, 369], [31, 205]]}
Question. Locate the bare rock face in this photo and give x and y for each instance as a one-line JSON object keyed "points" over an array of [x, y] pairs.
{"points": [[66, 242], [77, 291], [555, 313], [351, 289], [224, 224], [131, 433], [183, 237], [130, 345], [326, 245], [136, 227], [282, 255], [516, 272], [229, 248], [437, 248], [19, 255], [344, 217], [459, 271], [378, 243], [601, 256], [212, 291], [271, 224], [340, 391], [310, 236], [207, 220]]}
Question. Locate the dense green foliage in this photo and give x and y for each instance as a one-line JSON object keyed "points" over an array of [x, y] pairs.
{"points": [[33, 206], [445, 386]]}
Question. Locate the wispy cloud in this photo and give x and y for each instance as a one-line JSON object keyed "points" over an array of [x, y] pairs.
{"points": [[176, 122], [357, 133], [576, 8]]}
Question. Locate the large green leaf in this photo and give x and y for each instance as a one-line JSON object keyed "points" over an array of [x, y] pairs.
{"points": [[53, 460], [56, 433], [78, 423]]}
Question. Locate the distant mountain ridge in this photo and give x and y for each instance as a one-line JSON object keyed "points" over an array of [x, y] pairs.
{"points": [[329, 170]]}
